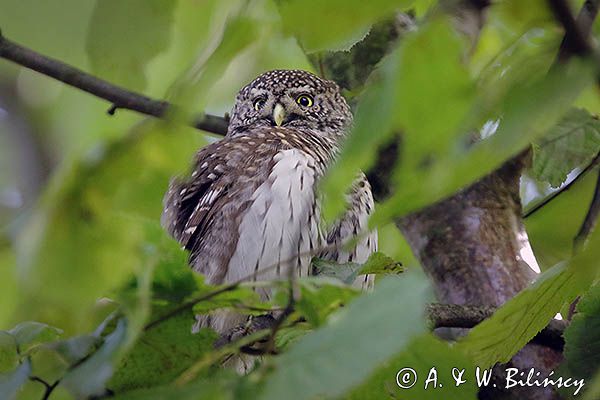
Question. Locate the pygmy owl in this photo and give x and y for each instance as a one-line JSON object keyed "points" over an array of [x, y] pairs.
{"points": [[250, 203]]}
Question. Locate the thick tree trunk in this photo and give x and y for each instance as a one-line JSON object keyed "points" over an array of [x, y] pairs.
{"points": [[470, 245]]}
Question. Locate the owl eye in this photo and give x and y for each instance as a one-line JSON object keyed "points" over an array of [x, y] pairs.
{"points": [[259, 103], [304, 100]]}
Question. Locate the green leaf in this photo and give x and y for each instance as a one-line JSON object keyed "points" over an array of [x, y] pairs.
{"points": [[429, 358], [192, 88], [528, 110], [514, 324], [22, 340], [29, 334], [89, 378], [321, 296], [573, 142], [161, 353], [238, 297], [125, 35], [220, 387], [434, 94], [582, 337], [346, 272], [89, 235], [341, 354], [9, 356], [379, 263], [75, 349], [10, 383], [593, 390], [551, 232], [372, 126], [334, 24], [410, 85]]}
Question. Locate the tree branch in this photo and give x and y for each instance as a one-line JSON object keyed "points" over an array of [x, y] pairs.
{"points": [[563, 189], [117, 96], [590, 218], [468, 316], [575, 41], [439, 316]]}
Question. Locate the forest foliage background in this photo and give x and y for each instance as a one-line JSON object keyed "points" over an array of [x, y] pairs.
{"points": [[88, 275]]}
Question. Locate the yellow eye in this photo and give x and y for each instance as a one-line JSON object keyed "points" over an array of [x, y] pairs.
{"points": [[259, 103], [304, 100]]}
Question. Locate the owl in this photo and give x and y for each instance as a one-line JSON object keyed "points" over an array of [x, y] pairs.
{"points": [[250, 206]]}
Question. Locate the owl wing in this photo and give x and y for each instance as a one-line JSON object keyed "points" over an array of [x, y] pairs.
{"points": [[353, 223], [248, 205]]}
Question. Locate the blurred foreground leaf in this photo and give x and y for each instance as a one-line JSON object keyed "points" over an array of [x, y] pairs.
{"points": [[404, 94], [342, 354], [125, 35], [85, 239], [89, 378], [514, 324], [11, 382], [334, 24], [430, 358], [526, 112]]}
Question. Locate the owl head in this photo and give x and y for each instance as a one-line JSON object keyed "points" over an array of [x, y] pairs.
{"points": [[291, 98]]}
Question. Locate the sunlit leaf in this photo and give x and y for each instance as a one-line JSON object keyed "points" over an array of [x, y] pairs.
{"points": [[379, 263], [573, 142], [342, 354]]}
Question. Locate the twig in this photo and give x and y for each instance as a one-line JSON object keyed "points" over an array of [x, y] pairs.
{"points": [[117, 96], [191, 303], [576, 40], [563, 189], [590, 218], [48, 388]]}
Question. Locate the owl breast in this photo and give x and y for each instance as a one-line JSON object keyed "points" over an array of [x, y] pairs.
{"points": [[250, 211]]}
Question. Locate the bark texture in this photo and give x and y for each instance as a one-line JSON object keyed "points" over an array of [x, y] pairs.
{"points": [[470, 244]]}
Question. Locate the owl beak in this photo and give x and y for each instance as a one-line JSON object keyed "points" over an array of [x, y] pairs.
{"points": [[278, 114]]}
